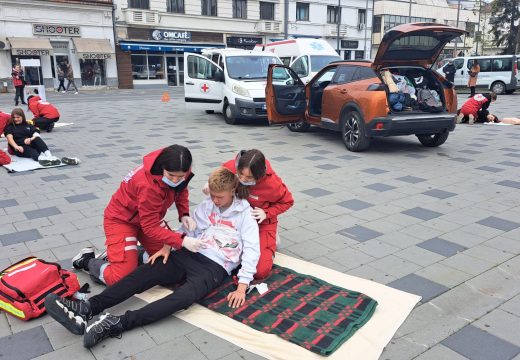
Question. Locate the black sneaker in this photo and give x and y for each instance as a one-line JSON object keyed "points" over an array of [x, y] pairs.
{"points": [[70, 161], [80, 261], [72, 314], [50, 127], [104, 326], [49, 162]]}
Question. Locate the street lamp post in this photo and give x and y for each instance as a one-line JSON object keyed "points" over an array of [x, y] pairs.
{"points": [[458, 15], [338, 25]]}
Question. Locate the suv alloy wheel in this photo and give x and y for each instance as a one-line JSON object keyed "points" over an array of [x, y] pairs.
{"points": [[353, 131]]}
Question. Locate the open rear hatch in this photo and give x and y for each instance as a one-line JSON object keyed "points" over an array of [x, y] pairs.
{"points": [[416, 44]]}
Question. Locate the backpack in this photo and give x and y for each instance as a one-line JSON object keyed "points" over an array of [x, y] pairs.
{"points": [[24, 286], [428, 102]]}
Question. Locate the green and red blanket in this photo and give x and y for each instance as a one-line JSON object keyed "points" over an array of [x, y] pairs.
{"points": [[299, 308]]}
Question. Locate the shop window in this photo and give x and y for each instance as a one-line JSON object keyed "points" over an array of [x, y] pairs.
{"points": [[92, 72], [347, 55], [209, 7], [240, 9], [200, 68], [32, 74], [139, 4], [155, 67], [175, 6], [139, 67], [359, 55], [302, 11], [333, 14], [266, 10]]}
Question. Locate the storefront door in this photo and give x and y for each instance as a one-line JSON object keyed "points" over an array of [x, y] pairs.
{"points": [[173, 69], [58, 60]]}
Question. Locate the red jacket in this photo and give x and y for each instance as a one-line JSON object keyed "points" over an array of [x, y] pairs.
{"points": [[42, 108], [17, 77], [270, 194], [4, 119], [474, 104], [143, 199]]}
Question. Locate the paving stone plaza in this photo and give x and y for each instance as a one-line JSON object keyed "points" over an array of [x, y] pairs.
{"points": [[442, 223]]}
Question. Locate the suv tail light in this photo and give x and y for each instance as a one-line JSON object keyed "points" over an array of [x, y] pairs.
{"points": [[516, 68]]}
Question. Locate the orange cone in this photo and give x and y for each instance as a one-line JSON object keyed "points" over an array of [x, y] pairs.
{"points": [[165, 97]]}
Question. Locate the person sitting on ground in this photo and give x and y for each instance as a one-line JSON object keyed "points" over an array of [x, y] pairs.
{"points": [[471, 108], [230, 237], [268, 196], [25, 141], [45, 114], [136, 213]]}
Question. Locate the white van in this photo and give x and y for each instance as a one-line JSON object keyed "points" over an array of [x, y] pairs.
{"points": [[497, 72], [231, 81], [305, 56]]}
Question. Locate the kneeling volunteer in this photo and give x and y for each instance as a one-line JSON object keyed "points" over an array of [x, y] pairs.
{"points": [[229, 236], [136, 212], [45, 114]]}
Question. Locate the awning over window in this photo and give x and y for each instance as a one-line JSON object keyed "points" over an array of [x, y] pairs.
{"points": [[154, 47], [30, 46], [93, 48]]}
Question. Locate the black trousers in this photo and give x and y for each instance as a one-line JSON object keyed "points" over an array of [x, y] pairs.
{"points": [[43, 123], [198, 275], [472, 90], [19, 95], [34, 150], [62, 85]]}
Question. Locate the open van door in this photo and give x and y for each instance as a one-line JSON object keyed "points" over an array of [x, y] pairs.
{"points": [[203, 83], [284, 96]]}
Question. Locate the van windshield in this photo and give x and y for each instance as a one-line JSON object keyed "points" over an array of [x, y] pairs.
{"points": [[249, 67], [318, 62]]}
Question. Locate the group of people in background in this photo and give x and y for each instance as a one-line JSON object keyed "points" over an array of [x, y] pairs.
{"points": [[64, 71]]}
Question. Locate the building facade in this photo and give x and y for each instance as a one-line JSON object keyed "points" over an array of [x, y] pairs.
{"points": [[390, 13], [44, 35], [351, 39], [153, 35]]}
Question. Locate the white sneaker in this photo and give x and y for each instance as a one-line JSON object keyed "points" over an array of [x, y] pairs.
{"points": [[76, 93], [63, 91], [459, 118], [471, 119]]}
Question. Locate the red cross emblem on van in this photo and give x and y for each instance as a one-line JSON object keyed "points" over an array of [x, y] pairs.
{"points": [[204, 88]]}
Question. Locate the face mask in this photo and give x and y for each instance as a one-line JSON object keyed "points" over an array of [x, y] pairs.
{"points": [[247, 183], [171, 183]]}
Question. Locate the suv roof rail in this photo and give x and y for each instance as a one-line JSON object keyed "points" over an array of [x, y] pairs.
{"points": [[343, 61]]}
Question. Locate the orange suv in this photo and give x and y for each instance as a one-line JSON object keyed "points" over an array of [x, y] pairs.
{"points": [[352, 97]]}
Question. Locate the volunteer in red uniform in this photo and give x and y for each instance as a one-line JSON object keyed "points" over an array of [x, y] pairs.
{"points": [[136, 212], [475, 109], [45, 114], [268, 196]]}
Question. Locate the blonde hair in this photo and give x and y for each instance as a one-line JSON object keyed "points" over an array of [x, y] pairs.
{"points": [[222, 179]]}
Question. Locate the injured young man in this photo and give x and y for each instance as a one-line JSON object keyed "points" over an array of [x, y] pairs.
{"points": [[231, 239]]}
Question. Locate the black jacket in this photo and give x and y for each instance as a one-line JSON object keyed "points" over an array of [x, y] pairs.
{"points": [[449, 71]]}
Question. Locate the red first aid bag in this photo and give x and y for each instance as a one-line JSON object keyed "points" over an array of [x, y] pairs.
{"points": [[24, 285]]}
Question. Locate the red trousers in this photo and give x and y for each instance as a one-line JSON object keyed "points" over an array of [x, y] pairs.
{"points": [[121, 242], [267, 250]]}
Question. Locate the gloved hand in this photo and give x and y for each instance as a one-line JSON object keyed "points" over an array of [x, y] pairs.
{"points": [[205, 189], [258, 214], [192, 244], [188, 223]]}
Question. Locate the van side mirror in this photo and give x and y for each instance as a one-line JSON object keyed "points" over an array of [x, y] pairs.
{"points": [[219, 76]]}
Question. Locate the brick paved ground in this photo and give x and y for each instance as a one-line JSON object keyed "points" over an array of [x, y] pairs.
{"points": [[443, 223]]}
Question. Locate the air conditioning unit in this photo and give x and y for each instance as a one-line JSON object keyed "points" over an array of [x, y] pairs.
{"points": [[361, 26], [4, 44]]}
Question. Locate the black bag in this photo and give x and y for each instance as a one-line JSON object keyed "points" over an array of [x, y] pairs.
{"points": [[428, 102]]}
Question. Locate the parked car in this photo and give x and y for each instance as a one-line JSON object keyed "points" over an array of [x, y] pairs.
{"points": [[498, 73], [351, 97]]}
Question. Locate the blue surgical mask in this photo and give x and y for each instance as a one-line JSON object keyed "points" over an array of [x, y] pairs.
{"points": [[247, 183], [171, 183]]}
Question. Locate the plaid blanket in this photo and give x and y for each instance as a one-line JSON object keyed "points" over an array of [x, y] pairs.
{"points": [[300, 308]]}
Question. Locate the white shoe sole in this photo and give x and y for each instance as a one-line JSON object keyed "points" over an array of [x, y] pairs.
{"points": [[80, 254]]}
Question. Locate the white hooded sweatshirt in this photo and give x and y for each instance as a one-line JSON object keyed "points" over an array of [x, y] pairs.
{"points": [[231, 238]]}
